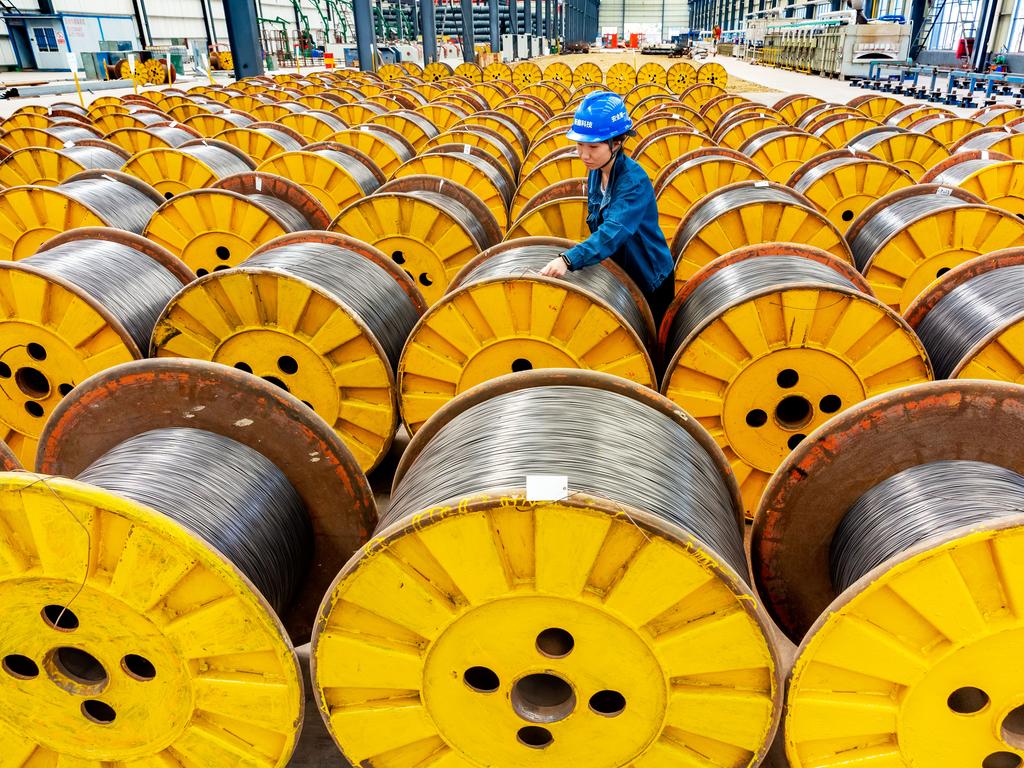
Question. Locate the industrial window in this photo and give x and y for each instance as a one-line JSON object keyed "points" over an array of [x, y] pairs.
{"points": [[890, 8], [1016, 40], [46, 40], [949, 27]]}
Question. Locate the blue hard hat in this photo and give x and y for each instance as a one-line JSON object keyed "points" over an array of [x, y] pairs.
{"points": [[601, 116]]}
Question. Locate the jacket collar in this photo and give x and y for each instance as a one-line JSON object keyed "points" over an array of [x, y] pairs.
{"points": [[595, 179]]}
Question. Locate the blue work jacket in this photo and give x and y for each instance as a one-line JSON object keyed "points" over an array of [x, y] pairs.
{"points": [[625, 228]]}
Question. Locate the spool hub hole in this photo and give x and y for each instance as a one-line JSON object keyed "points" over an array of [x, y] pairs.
{"points": [[793, 412], [5, 371], [1013, 728], [521, 364], [847, 215], [276, 382], [398, 256], [942, 271], [543, 698], [788, 378], [79, 666], [60, 618], [287, 364], [535, 737], [222, 253], [36, 351], [555, 643], [21, 667], [830, 404], [32, 382], [138, 667], [967, 700], [757, 418], [1002, 760], [481, 679], [608, 703], [244, 367], [795, 440]]}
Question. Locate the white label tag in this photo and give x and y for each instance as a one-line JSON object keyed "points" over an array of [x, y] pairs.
{"points": [[546, 487], [984, 154], [131, 62], [259, 184], [759, 184], [72, 61], [68, 144], [944, 191]]}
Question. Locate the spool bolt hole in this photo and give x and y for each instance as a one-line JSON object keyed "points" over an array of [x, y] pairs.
{"points": [[60, 618], [399, 258], [543, 698], [1013, 728], [32, 382], [222, 253], [521, 364], [79, 666], [535, 737], [942, 271], [757, 418], [481, 679], [847, 215], [425, 279], [138, 667], [201, 272], [276, 382], [555, 643], [794, 441], [97, 712], [5, 371], [65, 389], [788, 378], [34, 409], [1002, 760], [168, 195], [221, 268], [244, 367], [287, 364], [793, 412], [830, 404], [967, 700], [21, 667], [608, 703], [36, 351]]}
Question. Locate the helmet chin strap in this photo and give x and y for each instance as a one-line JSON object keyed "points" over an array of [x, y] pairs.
{"points": [[615, 151]]}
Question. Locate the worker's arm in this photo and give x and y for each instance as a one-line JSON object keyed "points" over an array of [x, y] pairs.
{"points": [[621, 221]]}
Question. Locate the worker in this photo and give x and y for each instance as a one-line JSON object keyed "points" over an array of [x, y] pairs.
{"points": [[622, 213]]}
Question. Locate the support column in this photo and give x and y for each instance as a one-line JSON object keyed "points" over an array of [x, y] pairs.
{"points": [[428, 29], [495, 20], [916, 20], [468, 33], [513, 26], [244, 36]]}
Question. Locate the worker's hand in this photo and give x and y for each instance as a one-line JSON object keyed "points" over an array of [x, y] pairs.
{"points": [[555, 268]]}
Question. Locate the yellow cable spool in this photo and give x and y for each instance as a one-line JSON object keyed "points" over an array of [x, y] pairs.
{"points": [[547, 93], [561, 120], [696, 96], [525, 614], [488, 140], [642, 91], [269, 112], [210, 125], [474, 334], [357, 113], [259, 143], [526, 73], [843, 182], [714, 73], [736, 133], [487, 180], [998, 114], [39, 109], [946, 130], [20, 138], [182, 112], [497, 90], [651, 103], [564, 217], [586, 73], [875, 106], [794, 105], [313, 125], [431, 236], [904, 116], [679, 117], [388, 148], [660, 148], [331, 172], [218, 228], [652, 73], [26, 120], [559, 72], [390, 72], [994, 139], [680, 76], [926, 675], [46, 356], [390, 101], [117, 120], [794, 346], [533, 103], [736, 112], [526, 116], [993, 335], [930, 230], [304, 337], [435, 71], [49, 167], [816, 115], [780, 150], [412, 68], [750, 213], [716, 110], [544, 146], [557, 167], [443, 116], [564, 88], [687, 179], [95, 113], [32, 215], [993, 177], [414, 127], [497, 70], [472, 72], [913, 152], [193, 165], [318, 103], [839, 130], [620, 78]]}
